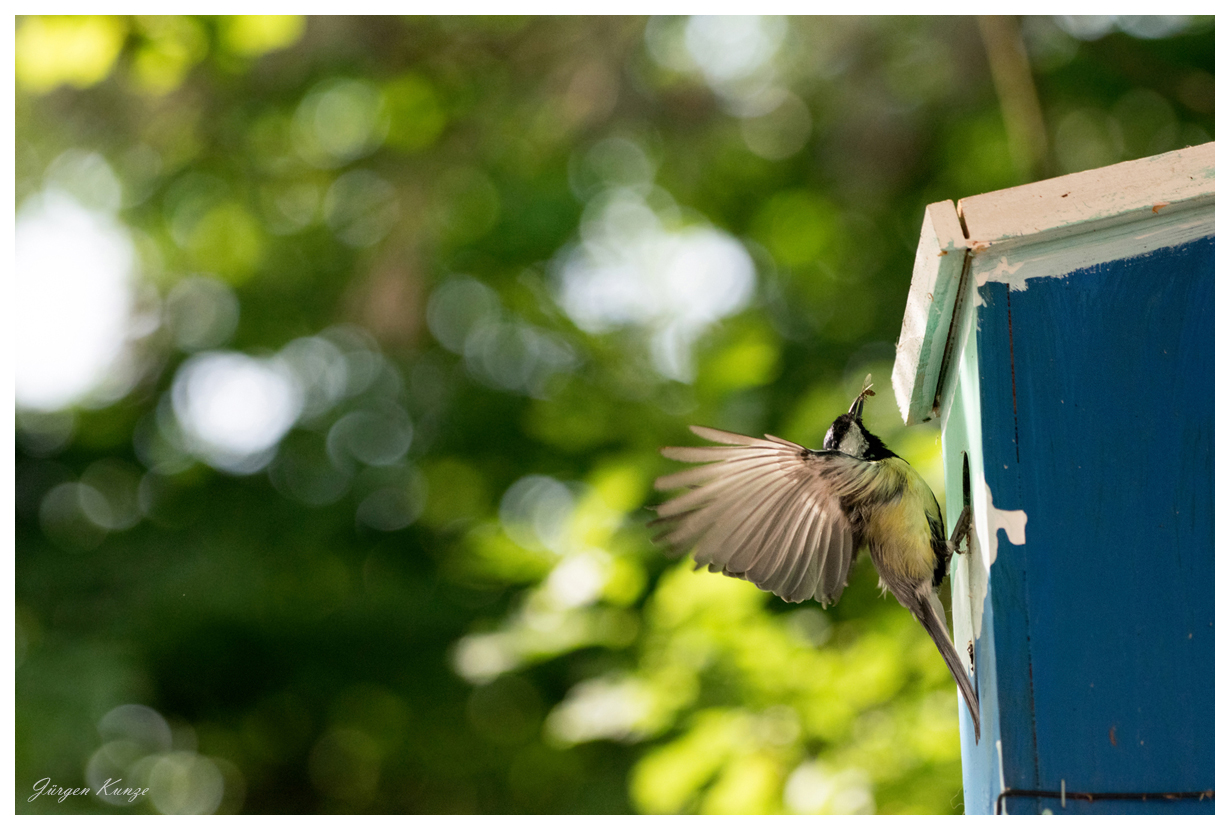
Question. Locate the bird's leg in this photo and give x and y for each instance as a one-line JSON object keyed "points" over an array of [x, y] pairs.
{"points": [[960, 532]]}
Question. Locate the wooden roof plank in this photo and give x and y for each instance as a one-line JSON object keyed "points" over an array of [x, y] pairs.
{"points": [[929, 311]]}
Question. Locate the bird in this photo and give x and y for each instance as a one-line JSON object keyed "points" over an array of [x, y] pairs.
{"points": [[791, 520]]}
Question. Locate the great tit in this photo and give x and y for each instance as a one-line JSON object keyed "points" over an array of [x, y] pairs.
{"points": [[791, 520]]}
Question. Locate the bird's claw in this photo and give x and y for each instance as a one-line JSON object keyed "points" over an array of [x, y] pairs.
{"points": [[960, 531]]}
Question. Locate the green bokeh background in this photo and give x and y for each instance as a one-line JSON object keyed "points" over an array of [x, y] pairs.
{"points": [[312, 658]]}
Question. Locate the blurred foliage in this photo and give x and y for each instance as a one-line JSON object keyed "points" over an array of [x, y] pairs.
{"points": [[494, 264]]}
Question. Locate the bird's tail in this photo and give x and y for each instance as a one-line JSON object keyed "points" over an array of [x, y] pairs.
{"points": [[931, 615]]}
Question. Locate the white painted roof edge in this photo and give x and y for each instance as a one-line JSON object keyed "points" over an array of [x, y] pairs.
{"points": [[929, 308], [1079, 202], [1158, 186]]}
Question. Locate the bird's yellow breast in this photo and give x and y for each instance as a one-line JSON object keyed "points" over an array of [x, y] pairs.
{"points": [[899, 530]]}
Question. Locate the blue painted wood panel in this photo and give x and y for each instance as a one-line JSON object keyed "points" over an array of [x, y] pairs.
{"points": [[1097, 420]]}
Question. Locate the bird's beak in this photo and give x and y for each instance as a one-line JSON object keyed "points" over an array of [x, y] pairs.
{"points": [[856, 408]]}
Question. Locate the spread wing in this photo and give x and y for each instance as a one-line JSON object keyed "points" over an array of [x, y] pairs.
{"points": [[765, 510]]}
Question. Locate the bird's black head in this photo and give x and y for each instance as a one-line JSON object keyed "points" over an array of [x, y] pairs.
{"points": [[848, 435]]}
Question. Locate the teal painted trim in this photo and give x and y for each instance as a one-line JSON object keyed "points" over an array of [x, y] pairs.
{"points": [[961, 437], [929, 312]]}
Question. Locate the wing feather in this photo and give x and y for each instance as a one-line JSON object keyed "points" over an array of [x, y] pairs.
{"points": [[714, 510], [700, 455], [833, 581], [765, 571], [725, 476], [796, 577], [818, 529], [806, 589], [741, 525], [721, 436], [765, 510], [792, 561], [780, 516]]}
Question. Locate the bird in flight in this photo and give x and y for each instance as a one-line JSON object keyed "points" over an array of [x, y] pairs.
{"points": [[791, 520]]}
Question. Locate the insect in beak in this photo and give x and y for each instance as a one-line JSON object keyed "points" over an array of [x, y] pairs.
{"points": [[856, 408]]}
